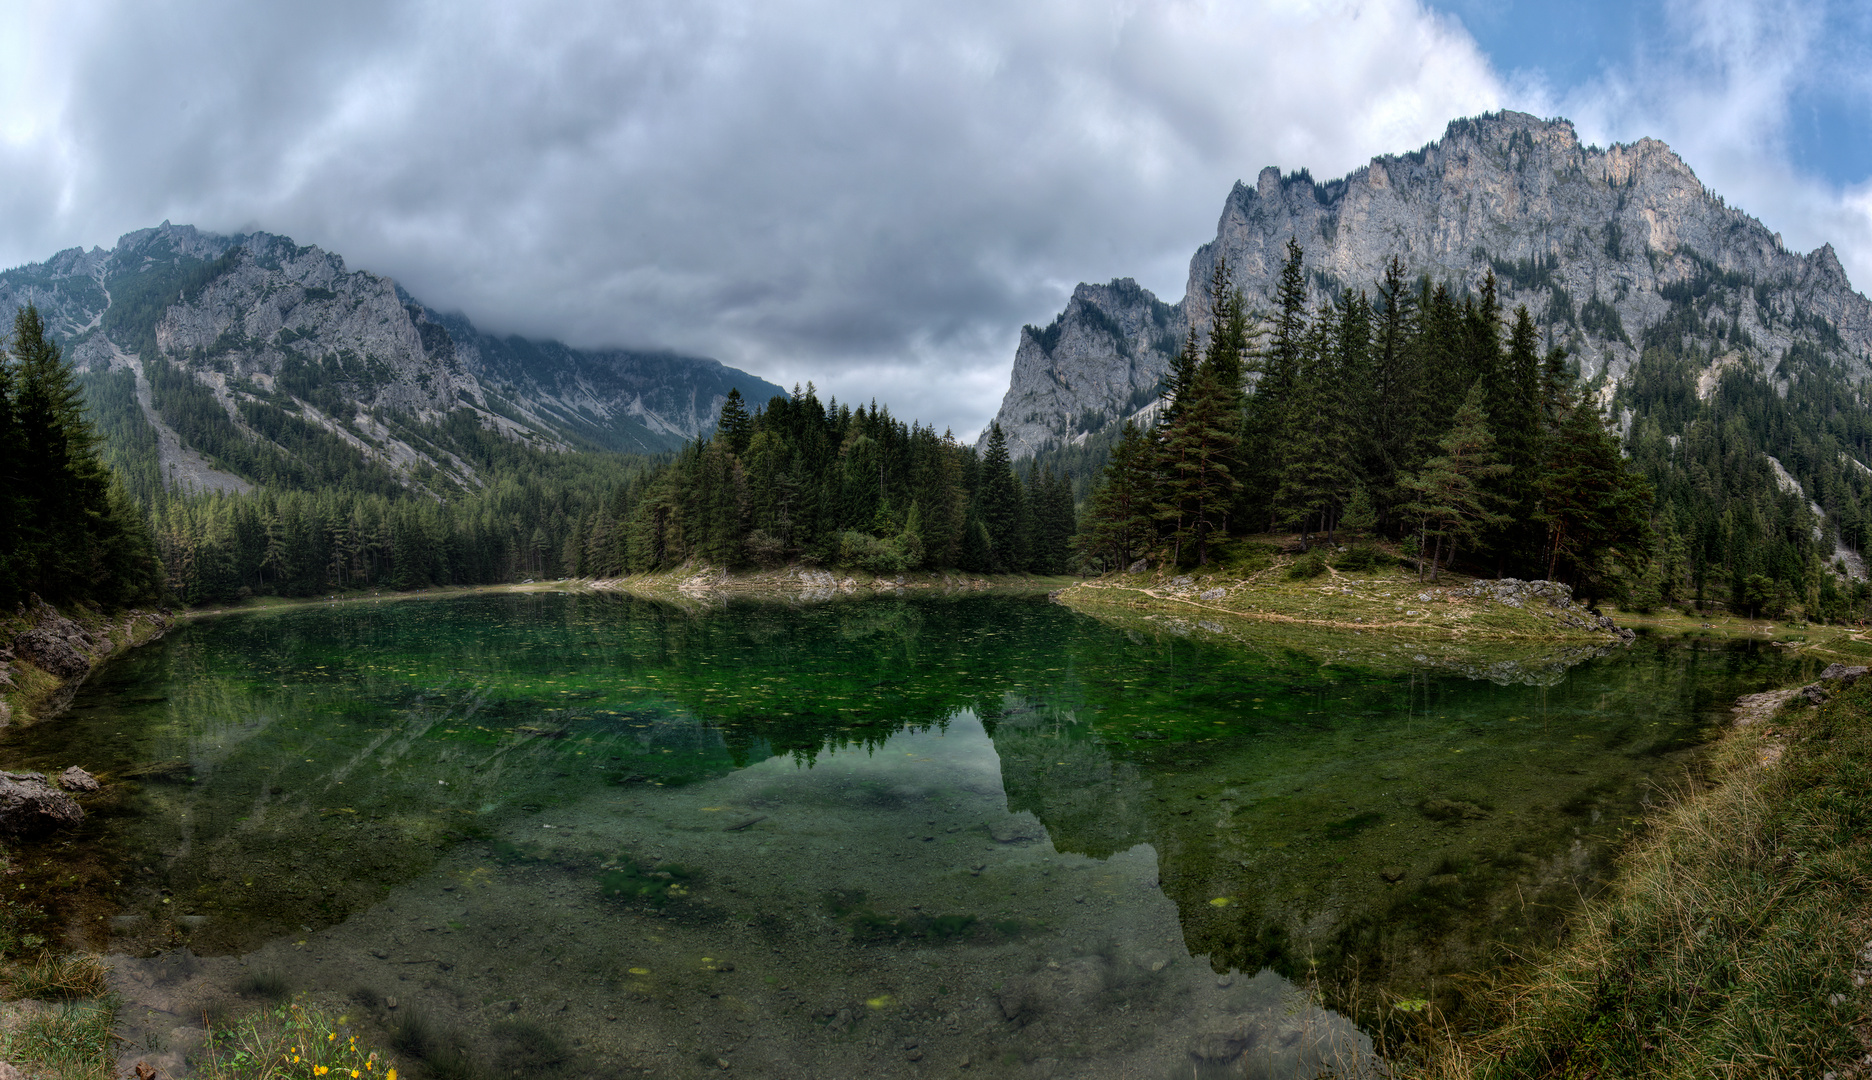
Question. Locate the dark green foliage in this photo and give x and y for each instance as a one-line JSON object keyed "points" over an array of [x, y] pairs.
{"points": [[1121, 518], [833, 486], [1401, 417], [69, 530], [1451, 495]]}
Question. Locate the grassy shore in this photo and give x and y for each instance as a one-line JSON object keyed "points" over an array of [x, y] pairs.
{"points": [[1737, 939], [1371, 611]]}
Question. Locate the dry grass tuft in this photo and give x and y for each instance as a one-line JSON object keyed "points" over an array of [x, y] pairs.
{"points": [[51, 976]]}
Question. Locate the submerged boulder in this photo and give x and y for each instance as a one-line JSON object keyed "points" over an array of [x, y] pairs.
{"points": [[30, 805], [76, 779]]}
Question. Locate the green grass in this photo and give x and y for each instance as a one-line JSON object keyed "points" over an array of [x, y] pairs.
{"points": [[1311, 592], [70, 1042], [1728, 945]]}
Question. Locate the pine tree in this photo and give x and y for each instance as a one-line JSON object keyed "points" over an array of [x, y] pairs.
{"points": [[999, 503], [1267, 423], [734, 426], [1384, 405], [1197, 463], [1596, 508], [1514, 409], [1122, 518], [13, 504], [1450, 495], [1318, 470]]}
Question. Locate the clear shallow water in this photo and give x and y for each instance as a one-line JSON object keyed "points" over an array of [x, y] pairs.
{"points": [[592, 835]]}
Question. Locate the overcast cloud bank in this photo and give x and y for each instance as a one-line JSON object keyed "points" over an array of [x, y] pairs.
{"points": [[871, 196]]}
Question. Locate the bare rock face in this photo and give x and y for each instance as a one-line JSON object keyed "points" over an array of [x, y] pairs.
{"points": [[1595, 241], [30, 806], [76, 779]]}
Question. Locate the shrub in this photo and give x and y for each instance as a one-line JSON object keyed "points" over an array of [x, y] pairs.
{"points": [[1363, 558], [1310, 565]]}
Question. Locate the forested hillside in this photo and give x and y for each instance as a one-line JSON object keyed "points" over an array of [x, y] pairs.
{"points": [[251, 360]]}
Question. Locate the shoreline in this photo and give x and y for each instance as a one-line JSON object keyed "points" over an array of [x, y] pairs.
{"points": [[1734, 937]]}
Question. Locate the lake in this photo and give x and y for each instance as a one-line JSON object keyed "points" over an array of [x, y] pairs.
{"points": [[585, 834]]}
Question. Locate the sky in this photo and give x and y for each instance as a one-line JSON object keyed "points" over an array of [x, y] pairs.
{"points": [[873, 195]]}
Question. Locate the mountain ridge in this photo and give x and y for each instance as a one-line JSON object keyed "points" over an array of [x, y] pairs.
{"points": [[274, 331], [1604, 245]]}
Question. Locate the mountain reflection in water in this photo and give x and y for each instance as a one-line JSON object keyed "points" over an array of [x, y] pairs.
{"points": [[576, 834]]}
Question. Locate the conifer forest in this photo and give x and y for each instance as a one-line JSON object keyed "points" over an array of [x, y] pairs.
{"points": [[1413, 412]]}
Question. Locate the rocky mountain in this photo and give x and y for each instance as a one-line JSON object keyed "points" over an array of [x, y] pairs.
{"points": [[1609, 248], [250, 352]]}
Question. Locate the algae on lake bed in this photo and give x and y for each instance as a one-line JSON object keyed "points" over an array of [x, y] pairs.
{"points": [[470, 803]]}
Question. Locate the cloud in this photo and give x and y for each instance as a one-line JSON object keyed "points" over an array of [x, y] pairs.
{"points": [[872, 195]]}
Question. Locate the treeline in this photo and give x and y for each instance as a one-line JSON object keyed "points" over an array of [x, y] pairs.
{"points": [[224, 547], [68, 532], [795, 481], [1410, 413], [827, 484]]}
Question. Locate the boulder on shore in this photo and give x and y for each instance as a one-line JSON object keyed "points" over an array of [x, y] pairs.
{"points": [[54, 654], [29, 805]]}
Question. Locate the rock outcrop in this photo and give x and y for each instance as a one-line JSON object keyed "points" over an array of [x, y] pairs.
{"points": [[45, 639], [1601, 244], [29, 806]]}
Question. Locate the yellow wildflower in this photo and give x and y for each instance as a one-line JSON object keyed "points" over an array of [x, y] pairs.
{"points": [[391, 1075]]}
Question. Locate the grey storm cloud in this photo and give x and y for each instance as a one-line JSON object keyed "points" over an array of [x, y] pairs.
{"points": [[874, 196]]}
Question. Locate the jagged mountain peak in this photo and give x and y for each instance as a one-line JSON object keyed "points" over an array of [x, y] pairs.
{"points": [[1602, 244]]}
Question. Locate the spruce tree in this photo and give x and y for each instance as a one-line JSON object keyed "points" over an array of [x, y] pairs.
{"points": [[1450, 495], [1266, 427], [1384, 408], [999, 504], [1122, 518], [1198, 463], [734, 425], [1597, 508]]}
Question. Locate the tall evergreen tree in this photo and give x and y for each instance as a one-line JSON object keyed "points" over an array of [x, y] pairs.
{"points": [[1198, 463], [735, 426], [1450, 494], [1266, 427], [1121, 522], [999, 503], [1596, 508]]}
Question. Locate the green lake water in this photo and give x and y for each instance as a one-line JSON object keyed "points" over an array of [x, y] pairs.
{"points": [[592, 835]]}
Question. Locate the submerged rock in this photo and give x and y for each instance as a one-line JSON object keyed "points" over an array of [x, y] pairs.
{"points": [[29, 805], [76, 779]]}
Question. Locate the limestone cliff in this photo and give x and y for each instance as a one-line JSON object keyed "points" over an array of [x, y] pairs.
{"points": [[1603, 245]]}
